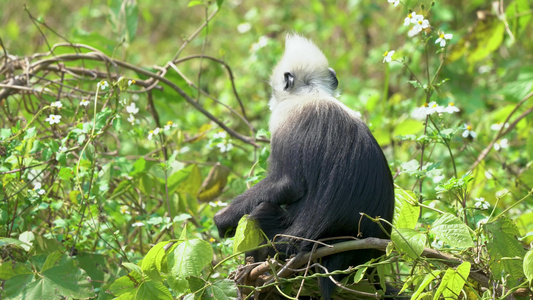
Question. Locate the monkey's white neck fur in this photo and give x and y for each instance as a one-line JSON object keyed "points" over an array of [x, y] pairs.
{"points": [[313, 81]]}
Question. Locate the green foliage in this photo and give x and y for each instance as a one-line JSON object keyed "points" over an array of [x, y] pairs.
{"points": [[163, 118], [247, 235]]}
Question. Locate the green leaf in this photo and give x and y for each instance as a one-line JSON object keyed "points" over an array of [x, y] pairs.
{"points": [[125, 285], [407, 127], [152, 262], [406, 210], [8, 270], [221, 290], [195, 3], [132, 268], [518, 15], [247, 235], [102, 117], [65, 173], [15, 287], [263, 157], [505, 250], [453, 281], [189, 258], [153, 290], [27, 237], [51, 260], [489, 39], [187, 178], [63, 280], [415, 83], [433, 276], [139, 166], [409, 241], [452, 231], [132, 19], [528, 266]]}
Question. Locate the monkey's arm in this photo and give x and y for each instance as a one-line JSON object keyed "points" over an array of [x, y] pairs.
{"points": [[271, 190]]}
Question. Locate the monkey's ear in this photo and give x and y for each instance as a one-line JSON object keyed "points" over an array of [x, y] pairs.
{"points": [[335, 81], [289, 80]]}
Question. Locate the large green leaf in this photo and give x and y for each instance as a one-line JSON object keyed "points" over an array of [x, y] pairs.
{"points": [[221, 290], [409, 241], [152, 262], [406, 210], [432, 276], [189, 258], [528, 266], [247, 235], [153, 290], [506, 252], [453, 281], [452, 231], [62, 280]]}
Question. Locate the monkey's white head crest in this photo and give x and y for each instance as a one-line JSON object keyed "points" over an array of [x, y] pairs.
{"points": [[303, 70]]}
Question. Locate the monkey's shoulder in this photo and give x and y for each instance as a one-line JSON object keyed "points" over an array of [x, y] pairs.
{"points": [[324, 108]]}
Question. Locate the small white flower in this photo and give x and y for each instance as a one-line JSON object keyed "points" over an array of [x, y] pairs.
{"points": [[53, 119], [420, 113], [468, 132], [63, 149], [37, 188], [482, 204], [218, 203], [153, 132], [357, 114], [103, 85], [169, 125], [394, 2], [130, 82], [132, 109], [419, 26], [433, 107], [442, 38], [220, 135], [437, 244], [262, 42], [57, 104], [387, 56], [498, 126], [137, 224], [244, 27], [412, 18], [501, 144], [131, 119], [84, 102], [451, 108], [225, 147]]}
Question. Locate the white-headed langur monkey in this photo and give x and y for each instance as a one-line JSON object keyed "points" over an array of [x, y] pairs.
{"points": [[325, 167]]}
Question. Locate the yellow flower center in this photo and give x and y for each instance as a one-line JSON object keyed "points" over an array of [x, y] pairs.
{"points": [[386, 53], [441, 35], [170, 123], [420, 22], [451, 104], [151, 132], [434, 105], [133, 81], [425, 105], [410, 16], [468, 127]]}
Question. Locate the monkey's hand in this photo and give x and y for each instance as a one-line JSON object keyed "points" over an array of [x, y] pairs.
{"points": [[226, 222]]}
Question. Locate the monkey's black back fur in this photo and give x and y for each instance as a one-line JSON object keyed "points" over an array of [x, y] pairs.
{"points": [[325, 168]]}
